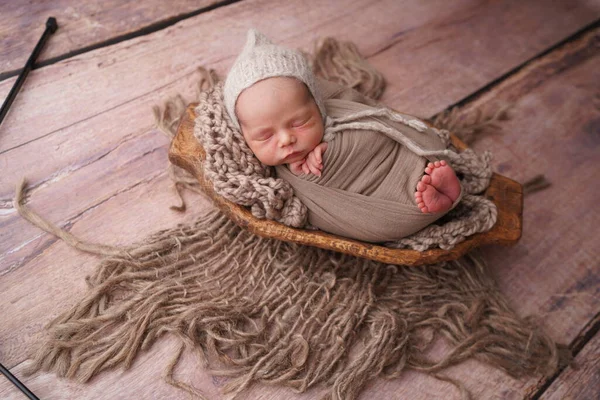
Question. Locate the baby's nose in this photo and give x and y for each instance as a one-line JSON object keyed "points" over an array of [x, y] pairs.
{"points": [[286, 139]]}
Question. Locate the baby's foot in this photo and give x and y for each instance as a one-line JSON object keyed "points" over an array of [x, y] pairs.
{"points": [[429, 199], [444, 179]]}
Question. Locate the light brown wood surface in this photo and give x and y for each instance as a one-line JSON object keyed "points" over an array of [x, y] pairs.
{"points": [[84, 137], [82, 24], [186, 152]]}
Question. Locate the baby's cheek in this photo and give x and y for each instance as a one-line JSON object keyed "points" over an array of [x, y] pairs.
{"points": [[318, 136], [265, 154]]}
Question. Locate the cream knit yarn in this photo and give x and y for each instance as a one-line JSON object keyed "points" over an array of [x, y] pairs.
{"points": [[261, 59]]}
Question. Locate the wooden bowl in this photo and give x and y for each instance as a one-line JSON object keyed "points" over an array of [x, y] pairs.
{"points": [[187, 153]]}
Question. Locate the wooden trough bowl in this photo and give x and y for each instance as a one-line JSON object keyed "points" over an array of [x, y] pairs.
{"points": [[187, 153]]}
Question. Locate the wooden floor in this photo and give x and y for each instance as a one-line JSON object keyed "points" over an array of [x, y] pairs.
{"points": [[81, 131]]}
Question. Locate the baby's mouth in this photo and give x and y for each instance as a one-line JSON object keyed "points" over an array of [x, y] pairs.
{"points": [[292, 155]]}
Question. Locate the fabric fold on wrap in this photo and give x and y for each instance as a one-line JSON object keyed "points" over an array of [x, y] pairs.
{"points": [[374, 159]]}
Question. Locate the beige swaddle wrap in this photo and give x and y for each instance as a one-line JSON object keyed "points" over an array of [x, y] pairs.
{"points": [[370, 171]]}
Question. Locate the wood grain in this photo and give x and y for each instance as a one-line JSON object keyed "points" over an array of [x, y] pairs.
{"points": [[82, 24], [83, 135], [186, 152], [582, 382]]}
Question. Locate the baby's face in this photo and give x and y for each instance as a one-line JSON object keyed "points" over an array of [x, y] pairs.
{"points": [[280, 120]]}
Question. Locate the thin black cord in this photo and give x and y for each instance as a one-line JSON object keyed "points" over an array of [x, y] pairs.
{"points": [[51, 27], [17, 383]]}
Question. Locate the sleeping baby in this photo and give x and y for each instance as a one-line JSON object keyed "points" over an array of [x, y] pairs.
{"points": [[363, 170]]}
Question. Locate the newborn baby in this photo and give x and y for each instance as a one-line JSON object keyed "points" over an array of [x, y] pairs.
{"points": [[281, 123], [362, 170]]}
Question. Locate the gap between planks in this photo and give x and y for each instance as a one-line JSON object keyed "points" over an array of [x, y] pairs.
{"points": [[146, 30], [585, 335], [539, 57]]}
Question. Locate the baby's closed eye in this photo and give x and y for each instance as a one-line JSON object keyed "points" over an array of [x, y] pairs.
{"points": [[301, 122], [263, 135]]}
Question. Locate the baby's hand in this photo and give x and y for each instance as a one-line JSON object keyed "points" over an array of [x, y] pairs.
{"points": [[312, 163], [296, 167], [314, 160]]}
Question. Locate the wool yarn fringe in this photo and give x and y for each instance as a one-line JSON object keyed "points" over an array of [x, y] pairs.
{"points": [[263, 310]]}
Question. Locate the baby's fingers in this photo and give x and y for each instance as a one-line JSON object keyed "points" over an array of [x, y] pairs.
{"points": [[305, 168], [296, 168], [314, 169], [314, 159], [319, 150]]}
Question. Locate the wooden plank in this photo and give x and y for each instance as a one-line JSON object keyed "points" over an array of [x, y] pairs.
{"points": [[81, 24], [582, 382], [117, 123], [469, 50], [108, 156]]}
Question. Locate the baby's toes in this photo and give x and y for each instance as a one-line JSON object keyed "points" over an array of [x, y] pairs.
{"points": [[426, 179], [419, 199], [437, 164], [443, 162], [421, 186]]}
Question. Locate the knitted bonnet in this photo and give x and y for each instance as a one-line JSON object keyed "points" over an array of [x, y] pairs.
{"points": [[261, 59]]}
